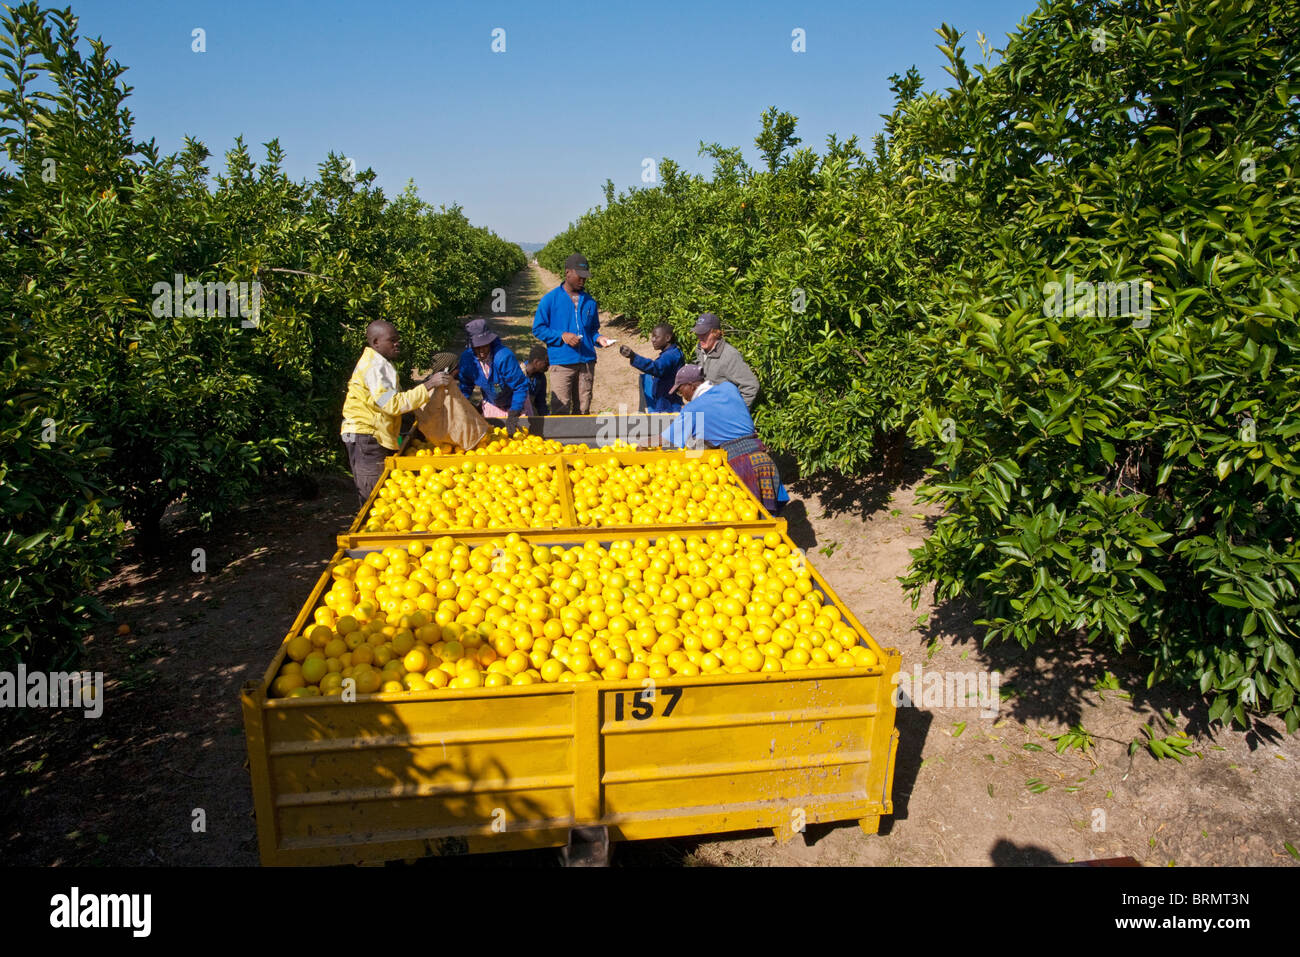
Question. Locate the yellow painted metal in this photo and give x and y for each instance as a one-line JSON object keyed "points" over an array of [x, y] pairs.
{"points": [[562, 463], [595, 430], [391, 776]]}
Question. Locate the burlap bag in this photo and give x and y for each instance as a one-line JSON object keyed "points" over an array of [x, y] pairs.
{"points": [[450, 417]]}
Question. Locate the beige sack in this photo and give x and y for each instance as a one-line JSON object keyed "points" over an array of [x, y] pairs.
{"points": [[450, 417]]}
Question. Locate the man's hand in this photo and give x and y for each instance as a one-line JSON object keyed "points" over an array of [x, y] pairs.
{"points": [[512, 423], [626, 352], [571, 339], [438, 380]]}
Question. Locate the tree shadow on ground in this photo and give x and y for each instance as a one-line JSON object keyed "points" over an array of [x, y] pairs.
{"points": [[858, 495], [120, 789], [523, 293], [1054, 681]]}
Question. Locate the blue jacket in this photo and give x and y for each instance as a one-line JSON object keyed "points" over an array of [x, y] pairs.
{"points": [[507, 387], [537, 389], [716, 417], [556, 314], [657, 378]]}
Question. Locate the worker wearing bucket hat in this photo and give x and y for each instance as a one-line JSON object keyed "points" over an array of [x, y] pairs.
{"points": [[488, 365]]}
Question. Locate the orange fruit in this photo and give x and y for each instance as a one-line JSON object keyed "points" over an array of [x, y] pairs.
{"points": [[551, 670], [284, 684], [865, 657], [314, 669]]}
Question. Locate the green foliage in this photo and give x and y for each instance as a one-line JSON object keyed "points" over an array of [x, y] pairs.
{"points": [[60, 532], [1126, 477], [199, 401], [1077, 737], [1107, 478], [810, 263], [1170, 746], [194, 402]]}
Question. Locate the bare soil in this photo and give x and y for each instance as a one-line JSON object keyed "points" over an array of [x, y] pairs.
{"points": [[160, 777]]}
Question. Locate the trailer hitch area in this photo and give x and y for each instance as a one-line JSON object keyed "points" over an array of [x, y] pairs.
{"points": [[587, 847]]}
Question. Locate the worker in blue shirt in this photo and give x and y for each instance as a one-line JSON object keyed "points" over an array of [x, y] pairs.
{"points": [[715, 416], [568, 321], [535, 369], [657, 374], [488, 364]]}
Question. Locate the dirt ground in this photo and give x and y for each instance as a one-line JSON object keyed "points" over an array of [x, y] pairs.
{"points": [[160, 777]]}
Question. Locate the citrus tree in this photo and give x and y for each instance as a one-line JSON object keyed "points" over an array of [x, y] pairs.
{"points": [[1111, 398], [1072, 278], [196, 333], [811, 263]]}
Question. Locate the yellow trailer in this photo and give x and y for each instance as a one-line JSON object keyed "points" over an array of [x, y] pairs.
{"points": [[595, 430], [395, 776]]}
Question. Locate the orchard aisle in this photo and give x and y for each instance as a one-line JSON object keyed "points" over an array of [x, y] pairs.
{"points": [[616, 381], [121, 790], [959, 790]]}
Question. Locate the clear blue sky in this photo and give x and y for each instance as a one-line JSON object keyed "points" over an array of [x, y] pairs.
{"points": [[524, 139]]}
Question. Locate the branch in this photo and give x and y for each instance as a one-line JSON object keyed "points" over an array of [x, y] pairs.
{"points": [[301, 272]]}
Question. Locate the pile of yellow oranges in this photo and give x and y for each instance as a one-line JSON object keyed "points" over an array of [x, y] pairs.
{"points": [[483, 495], [471, 495], [445, 615], [521, 443], [666, 491]]}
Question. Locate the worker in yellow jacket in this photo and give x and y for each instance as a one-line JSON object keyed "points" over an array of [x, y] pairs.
{"points": [[373, 409]]}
